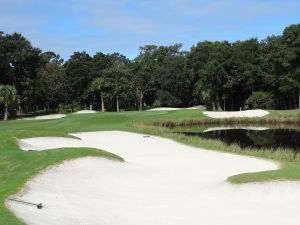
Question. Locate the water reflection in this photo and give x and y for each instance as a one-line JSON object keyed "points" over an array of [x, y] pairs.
{"points": [[256, 138]]}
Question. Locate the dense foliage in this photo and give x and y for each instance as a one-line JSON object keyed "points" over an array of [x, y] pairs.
{"points": [[260, 99], [221, 75]]}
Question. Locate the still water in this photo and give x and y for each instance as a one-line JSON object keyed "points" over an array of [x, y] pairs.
{"points": [[258, 138]]}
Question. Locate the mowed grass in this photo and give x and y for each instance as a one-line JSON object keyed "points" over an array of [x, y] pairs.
{"points": [[17, 166]]}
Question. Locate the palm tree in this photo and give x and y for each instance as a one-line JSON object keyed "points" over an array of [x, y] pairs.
{"points": [[8, 96], [101, 84]]}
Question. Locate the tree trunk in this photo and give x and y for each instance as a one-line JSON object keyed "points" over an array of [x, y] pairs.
{"points": [[218, 104], [91, 106], [290, 102], [118, 108], [232, 108], [20, 110], [6, 113], [102, 103], [298, 99], [141, 102], [213, 105]]}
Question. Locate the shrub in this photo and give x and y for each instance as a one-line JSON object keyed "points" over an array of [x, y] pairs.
{"points": [[261, 100], [164, 98]]}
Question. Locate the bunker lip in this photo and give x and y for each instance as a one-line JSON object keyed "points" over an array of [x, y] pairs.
{"points": [[162, 181]]}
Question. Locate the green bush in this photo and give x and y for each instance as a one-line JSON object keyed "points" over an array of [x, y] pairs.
{"points": [[261, 100], [164, 98]]}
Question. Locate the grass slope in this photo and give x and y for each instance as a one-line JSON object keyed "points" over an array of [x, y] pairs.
{"points": [[17, 166]]}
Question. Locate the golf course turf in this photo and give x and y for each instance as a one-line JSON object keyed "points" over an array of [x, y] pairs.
{"points": [[17, 166]]}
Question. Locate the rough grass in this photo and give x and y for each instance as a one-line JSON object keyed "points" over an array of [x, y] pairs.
{"points": [[17, 166], [284, 113], [279, 121]]}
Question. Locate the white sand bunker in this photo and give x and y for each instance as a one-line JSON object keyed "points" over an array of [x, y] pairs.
{"points": [[46, 117], [163, 109], [172, 108], [162, 182], [38, 144], [233, 114], [85, 112]]}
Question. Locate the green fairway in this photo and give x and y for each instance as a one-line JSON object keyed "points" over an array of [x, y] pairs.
{"points": [[17, 166]]}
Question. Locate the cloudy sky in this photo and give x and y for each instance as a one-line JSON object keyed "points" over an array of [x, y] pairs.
{"points": [[65, 26]]}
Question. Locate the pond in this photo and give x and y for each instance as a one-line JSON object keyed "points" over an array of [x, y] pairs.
{"points": [[252, 137]]}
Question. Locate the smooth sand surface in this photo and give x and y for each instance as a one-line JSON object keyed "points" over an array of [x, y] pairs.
{"points": [[162, 182], [85, 112], [172, 108], [46, 117], [164, 109], [235, 114]]}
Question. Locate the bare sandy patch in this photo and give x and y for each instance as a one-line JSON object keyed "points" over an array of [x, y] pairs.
{"points": [[161, 182], [236, 114], [46, 117], [85, 112], [200, 107]]}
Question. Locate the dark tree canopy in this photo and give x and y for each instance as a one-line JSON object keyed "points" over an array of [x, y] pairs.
{"points": [[221, 75]]}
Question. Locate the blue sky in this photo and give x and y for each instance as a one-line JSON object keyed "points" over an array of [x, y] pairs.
{"points": [[65, 26]]}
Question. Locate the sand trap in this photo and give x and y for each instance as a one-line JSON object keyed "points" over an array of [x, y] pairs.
{"points": [[171, 108], [85, 112], [233, 114], [162, 182], [164, 109], [46, 117], [38, 144]]}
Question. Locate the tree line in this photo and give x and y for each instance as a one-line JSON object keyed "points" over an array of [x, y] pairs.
{"points": [[221, 75]]}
